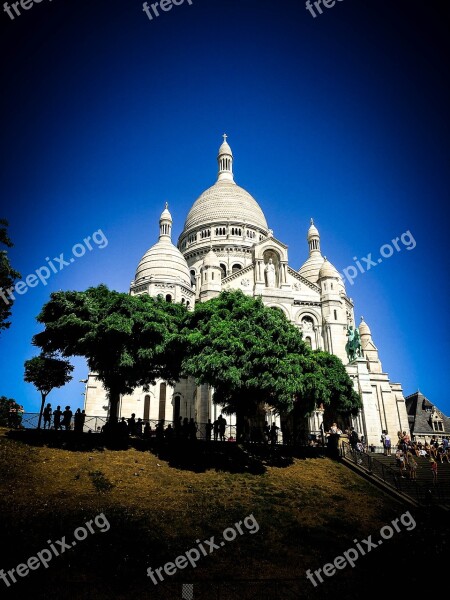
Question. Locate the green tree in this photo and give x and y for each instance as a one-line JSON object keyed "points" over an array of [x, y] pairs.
{"points": [[46, 373], [128, 341], [5, 405], [338, 396], [8, 277], [251, 355]]}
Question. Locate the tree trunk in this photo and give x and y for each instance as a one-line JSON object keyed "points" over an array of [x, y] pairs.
{"points": [[43, 397], [114, 400]]}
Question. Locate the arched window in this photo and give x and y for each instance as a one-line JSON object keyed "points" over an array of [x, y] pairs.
{"points": [[162, 401], [236, 267], [146, 407], [168, 298], [224, 269], [193, 277], [335, 315], [308, 342], [183, 300]]}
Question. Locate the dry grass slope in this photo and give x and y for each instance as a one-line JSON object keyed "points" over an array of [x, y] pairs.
{"points": [[308, 513]]}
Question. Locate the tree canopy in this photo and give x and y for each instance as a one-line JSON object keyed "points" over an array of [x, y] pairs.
{"points": [[252, 354], [125, 339], [5, 405], [337, 395], [47, 373], [8, 277]]}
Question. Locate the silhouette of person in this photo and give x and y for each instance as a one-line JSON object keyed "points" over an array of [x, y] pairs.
{"points": [[168, 434], [78, 421], [216, 429], [12, 415], [147, 431], [209, 429], [132, 424], [67, 418], [222, 427], [160, 431], [139, 424], [47, 415], [57, 413], [122, 428]]}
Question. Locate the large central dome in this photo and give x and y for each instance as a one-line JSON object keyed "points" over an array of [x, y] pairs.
{"points": [[225, 201]]}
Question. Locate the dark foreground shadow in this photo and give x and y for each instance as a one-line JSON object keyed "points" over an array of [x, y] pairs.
{"points": [[193, 455]]}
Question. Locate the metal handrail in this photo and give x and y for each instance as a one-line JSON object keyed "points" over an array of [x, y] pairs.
{"points": [[95, 423], [420, 491]]}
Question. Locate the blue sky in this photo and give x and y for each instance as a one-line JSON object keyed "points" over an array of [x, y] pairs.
{"points": [[343, 117]]}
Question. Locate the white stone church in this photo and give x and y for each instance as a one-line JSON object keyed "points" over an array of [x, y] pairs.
{"points": [[225, 244]]}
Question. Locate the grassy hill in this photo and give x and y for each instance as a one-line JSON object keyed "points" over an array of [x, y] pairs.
{"points": [[308, 513]]}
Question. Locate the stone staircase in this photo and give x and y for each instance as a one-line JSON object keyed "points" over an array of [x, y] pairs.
{"points": [[421, 490], [423, 472]]}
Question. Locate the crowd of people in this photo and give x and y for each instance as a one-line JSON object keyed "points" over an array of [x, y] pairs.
{"points": [[188, 429], [434, 449], [407, 451], [182, 428], [356, 441], [63, 420], [15, 415]]}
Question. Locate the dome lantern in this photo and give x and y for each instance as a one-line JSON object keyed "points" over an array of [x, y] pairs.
{"points": [[311, 267], [165, 224], [313, 238], [225, 160]]}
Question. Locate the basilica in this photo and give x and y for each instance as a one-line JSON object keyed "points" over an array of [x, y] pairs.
{"points": [[226, 244]]}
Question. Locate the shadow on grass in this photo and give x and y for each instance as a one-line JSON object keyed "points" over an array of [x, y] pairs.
{"points": [[197, 455]]}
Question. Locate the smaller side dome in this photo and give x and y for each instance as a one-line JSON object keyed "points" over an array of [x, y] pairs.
{"points": [[328, 270], [364, 329], [163, 261]]}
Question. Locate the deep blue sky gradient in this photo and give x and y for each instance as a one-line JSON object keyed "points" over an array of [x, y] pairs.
{"points": [[106, 115]]}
